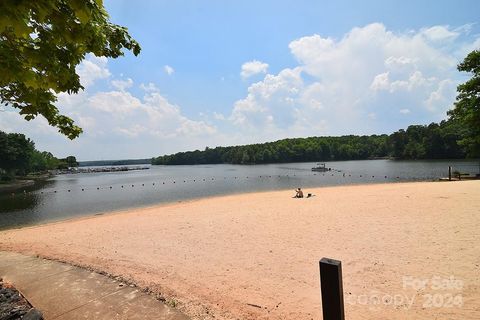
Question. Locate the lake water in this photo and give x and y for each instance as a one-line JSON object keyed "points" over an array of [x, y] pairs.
{"points": [[102, 192]]}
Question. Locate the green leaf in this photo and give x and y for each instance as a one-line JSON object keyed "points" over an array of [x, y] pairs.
{"points": [[32, 67]]}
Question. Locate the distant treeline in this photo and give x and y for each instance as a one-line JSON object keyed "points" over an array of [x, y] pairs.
{"points": [[18, 157], [435, 141], [115, 162]]}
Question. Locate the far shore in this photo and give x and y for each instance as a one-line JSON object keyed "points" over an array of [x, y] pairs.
{"points": [[255, 256]]}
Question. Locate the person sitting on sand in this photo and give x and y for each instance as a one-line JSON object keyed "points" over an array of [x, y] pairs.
{"points": [[299, 193]]}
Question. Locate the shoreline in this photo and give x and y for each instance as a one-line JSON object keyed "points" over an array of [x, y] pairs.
{"points": [[219, 256], [159, 205], [63, 197], [24, 182], [17, 184]]}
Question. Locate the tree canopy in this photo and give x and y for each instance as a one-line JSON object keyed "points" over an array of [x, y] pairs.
{"points": [[18, 157], [435, 141], [467, 105], [42, 42]]}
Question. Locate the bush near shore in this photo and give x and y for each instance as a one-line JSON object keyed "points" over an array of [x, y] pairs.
{"points": [[20, 159]]}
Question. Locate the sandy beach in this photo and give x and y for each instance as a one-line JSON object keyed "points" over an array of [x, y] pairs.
{"points": [[409, 251]]}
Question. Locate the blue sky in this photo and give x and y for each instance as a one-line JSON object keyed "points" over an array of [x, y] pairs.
{"points": [[234, 72]]}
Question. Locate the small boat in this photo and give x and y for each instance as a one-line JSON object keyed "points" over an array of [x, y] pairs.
{"points": [[321, 167]]}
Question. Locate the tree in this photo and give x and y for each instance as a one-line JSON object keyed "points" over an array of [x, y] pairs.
{"points": [[15, 153], [71, 161], [41, 43], [467, 106]]}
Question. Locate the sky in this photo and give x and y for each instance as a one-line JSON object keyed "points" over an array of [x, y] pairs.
{"points": [[217, 73]]}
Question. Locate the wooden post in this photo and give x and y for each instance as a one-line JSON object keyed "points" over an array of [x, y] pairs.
{"points": [[449, 173], [332, 289]]}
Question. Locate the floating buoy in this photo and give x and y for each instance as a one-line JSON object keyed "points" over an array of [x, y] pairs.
{"points": [[360, 176], [133, 185], [373, 176], [163, 182], [110, 187], [385, 177], [68, 190], [98, 188], [122, 186], [153, 184], [55, 191], [83, 189], [142, 184]]}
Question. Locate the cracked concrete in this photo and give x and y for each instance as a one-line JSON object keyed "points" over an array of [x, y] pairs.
{"points": [[62, 291]]}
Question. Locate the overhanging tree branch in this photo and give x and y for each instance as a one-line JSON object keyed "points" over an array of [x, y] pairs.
{"points": [[42, 42]]}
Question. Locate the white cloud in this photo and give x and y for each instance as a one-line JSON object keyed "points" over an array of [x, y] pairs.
{"points": [[117, 103], [362, 76], [414, 81], [404, 111], [255, 110], [152, 117], [439, 33], [380, 82], [92, 69], [442, 97], [252, 68], [149, 87], [392, 62], [116, 124], [168, 70], [122, 85]]}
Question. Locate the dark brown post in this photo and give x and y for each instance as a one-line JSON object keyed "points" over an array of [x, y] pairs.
{"points": [[449, 173], [332, 289]]}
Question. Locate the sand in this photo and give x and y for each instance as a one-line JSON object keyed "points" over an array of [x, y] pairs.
{"points": [[409, 251]]}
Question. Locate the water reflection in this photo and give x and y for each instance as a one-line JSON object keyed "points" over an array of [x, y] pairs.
{"points": [[80, 194], [17, 201]]}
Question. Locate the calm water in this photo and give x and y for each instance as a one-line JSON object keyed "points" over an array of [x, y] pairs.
{"points": [[51, 200]]}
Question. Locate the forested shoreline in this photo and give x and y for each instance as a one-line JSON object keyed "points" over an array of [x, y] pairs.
{"points": [[20, 158], [434, 141]]}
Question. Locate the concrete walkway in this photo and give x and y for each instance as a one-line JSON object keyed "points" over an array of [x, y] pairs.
{"points": [[62, 291]]}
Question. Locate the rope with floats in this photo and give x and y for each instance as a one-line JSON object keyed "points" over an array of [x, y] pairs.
{"points": [[214, 179]]}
